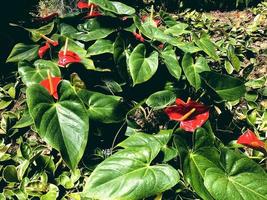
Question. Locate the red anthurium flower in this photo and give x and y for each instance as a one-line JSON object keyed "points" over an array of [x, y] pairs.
{"points": [[83, 5], [250, 140], [191, 114], [138, 37], [42, 50], [51, 85], [92, 14], [67, 58]]}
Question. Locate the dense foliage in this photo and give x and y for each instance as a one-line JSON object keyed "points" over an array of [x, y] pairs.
{"points": [[118, 102]]}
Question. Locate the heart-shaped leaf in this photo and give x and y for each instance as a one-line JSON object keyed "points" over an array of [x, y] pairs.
{"points": [[23, 52], [103, 108], [192, 70], [63, 125], [239, 178], [128, 174], [142, 68], [36, 72], [228, 88]]}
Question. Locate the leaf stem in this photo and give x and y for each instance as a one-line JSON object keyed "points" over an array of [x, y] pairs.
{"points": [[115, 138]]}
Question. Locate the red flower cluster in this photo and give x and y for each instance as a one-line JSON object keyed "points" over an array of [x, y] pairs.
{"points": [[66, 58], [250, 140], [138, 37], [51, 85], [191, 114]]}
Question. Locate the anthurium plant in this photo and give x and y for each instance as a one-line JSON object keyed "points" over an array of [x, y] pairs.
{"points": [[126, 104]]}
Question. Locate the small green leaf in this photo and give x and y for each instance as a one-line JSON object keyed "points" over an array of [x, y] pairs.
{"points": [[103, 108], [177, 30], [10, 174], [100, 47], [23, 52], [233, 58], [44, 30], [25, 121], [161, 99], [115, 7], [171, 62], [142, 68], [206, 45], [192, 70]]}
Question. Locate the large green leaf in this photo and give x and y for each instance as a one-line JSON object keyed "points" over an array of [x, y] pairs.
{"points": [[115, 7], [206, 45], [170, 59], [99, 47], [195, 165], [142, 68], [240, 178], [36, 72], [23, 52], [128, 174], [161, 99], [192, 70], [227, 87], [103, 108], [63, 124]]}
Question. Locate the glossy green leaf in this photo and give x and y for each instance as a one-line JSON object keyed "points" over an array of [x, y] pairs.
{"points": [[192, 70], [195, 165], [228, 67], [233, 58], [92, 35], [128, 174], [10, 174], [23, 52], [36, 34], [25, 121], [142, 68], [100, 47], [239, 178], [170, 59], [63, 124], [161, 99], [227, 87], [177, 30], [115, 7], [103, 108], [36, 72], [206, 45]]}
